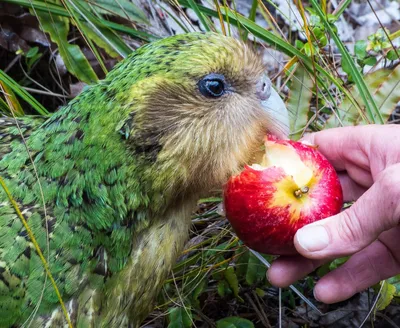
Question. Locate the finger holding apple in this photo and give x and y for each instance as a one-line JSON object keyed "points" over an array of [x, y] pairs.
{"points": [[267, 203]]}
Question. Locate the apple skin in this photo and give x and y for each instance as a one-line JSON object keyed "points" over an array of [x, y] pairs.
{"points": [[263, 210]]}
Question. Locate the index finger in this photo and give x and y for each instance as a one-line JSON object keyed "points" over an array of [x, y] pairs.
{"points": [[343, 146]]}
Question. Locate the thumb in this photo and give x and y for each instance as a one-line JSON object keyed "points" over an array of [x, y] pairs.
{"points": [[377, 210], [308, 137]]}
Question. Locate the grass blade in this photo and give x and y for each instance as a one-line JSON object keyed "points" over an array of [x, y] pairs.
{"points": [[122, 8], [374, 115], [193, 5], [75, 61], [252, 16], [107, 35], [61, 11], [38, 250], [384, 84], [299, 99], [240, 21], [9, 82], [14, 105]]}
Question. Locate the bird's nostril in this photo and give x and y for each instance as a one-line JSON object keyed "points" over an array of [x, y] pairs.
{"points": [[263, 88]]}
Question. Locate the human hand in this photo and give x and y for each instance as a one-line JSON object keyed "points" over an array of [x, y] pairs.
{"points": [[367, 159]]}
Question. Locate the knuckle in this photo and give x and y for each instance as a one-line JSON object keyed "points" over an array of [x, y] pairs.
{"points": [[350, 230], [389, 188], [389, 179], [363, 273]]}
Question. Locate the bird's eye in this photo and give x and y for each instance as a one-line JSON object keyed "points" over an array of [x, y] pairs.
{"points": [[212, 85]]}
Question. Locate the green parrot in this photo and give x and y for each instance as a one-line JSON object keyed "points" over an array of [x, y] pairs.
{"points": [[107, 184]]}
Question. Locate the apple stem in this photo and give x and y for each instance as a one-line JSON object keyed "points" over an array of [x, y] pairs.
{"points": [[300, 192]]}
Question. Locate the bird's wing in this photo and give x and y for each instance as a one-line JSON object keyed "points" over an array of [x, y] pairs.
{"points": [[22, 278], [15, 130], [58, 201]]}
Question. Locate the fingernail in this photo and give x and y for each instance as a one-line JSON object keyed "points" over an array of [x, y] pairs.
{"points": [[307, 138], [316, 296], [307, 143], [313, 238]]}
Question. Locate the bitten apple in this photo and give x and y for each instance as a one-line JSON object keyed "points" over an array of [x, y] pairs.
{"points": [[293, 186]]}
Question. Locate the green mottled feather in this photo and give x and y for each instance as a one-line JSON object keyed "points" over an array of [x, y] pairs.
{"points": [[112, 192]]}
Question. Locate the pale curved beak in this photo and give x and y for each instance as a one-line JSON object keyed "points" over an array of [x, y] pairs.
{"points": [[278, 116]]}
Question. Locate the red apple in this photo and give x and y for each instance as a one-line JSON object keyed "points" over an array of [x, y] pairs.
{"points": [[293, 186]]}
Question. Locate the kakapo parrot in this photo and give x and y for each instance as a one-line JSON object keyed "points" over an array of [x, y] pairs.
{"points": [[108, 183]]}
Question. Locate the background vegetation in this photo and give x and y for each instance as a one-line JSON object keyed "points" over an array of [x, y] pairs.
{"points": [[335, 64]]}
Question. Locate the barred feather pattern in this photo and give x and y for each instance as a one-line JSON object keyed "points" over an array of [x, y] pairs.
{"points": [[120, 168]]}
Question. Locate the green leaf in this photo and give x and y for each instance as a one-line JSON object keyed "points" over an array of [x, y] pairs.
{"points": [[33, 60], [4, 106], [232, 279], [260, 292], [15, 87], [323, 41], [332, 18], [90, 33], [252, 17], [340, 8], [370, 61], [395, 281], [323, 270], [180, 317], [384, 84], [215, 251], [94, 28], [79, 11], [288, 297], [192, 4], [310, 282], [121, 8], [346, 68], [256, 271], [187, 262], [210, 200], [55, 9], [316, 31], [374, 115], [314, 19], [250, 268], [298, 103], [234, 322], [360, 49], [299, 45], [388, 94], [32, 52], [393, 54], [223, 288], [198, 290], [75, 61], [307, 49], [386, 296], [13, 104], [337, 263], [32, 56]]}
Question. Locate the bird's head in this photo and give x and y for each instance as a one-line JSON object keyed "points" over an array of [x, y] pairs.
{"points": [[203, 104]]}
